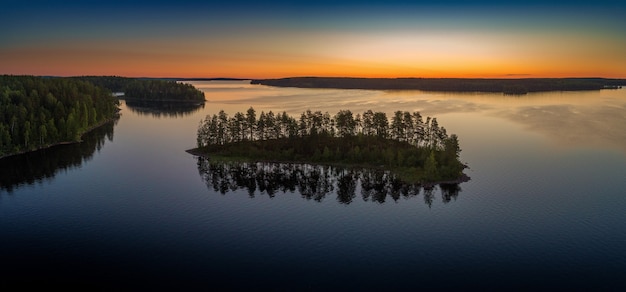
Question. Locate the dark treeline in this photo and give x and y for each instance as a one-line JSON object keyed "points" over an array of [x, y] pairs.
{"points": [[39, 166], [315, 182], [507, 86], [38, 112], [419, 150], [148, 89]]}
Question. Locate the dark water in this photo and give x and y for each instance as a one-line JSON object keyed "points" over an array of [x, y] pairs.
{"points": [[128, 208]]}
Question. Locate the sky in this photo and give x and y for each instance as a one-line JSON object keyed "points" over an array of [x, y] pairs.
{"points": [[274, 39]]}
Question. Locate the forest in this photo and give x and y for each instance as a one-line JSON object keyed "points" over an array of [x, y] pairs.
{"points": [[37, 112], [148, 89], [416, 149], [506, 86]]}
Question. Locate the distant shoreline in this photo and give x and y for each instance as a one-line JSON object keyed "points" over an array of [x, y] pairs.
{"points": [[516, 86]]}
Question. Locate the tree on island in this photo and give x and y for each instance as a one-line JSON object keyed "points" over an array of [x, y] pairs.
{"points": [[407, 144], [142, 89]]}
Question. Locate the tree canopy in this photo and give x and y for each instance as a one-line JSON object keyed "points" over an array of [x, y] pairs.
{"points": [[407, 144], [148, 89], [36, 112]]}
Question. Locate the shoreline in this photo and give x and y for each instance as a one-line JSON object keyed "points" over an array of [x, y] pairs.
{"points": [[463, 178], [518, 86], [98, 125]]}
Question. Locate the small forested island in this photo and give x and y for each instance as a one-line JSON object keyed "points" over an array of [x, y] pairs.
{"points": [[506, 86], [416, 150], [148, 89], [37, 112]]}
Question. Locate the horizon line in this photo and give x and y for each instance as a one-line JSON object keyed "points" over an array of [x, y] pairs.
{"points": [[508, 76]]}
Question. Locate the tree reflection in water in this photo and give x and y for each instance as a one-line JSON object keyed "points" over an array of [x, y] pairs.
{"points": [[315, 182], [159, 109], [44, 164]]}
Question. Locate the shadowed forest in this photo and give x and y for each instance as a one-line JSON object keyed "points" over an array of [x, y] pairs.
{"points": [[148, 89], [37, 112]]}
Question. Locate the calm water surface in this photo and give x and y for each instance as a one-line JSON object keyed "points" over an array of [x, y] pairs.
{"points": [[545, 206]]}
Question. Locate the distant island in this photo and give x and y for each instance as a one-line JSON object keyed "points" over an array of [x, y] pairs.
{"points": [[148, 89], [506, 86], [416, 150]]}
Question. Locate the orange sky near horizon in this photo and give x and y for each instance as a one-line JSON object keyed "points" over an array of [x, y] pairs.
{"points": [[372, 44], [359, 61]]}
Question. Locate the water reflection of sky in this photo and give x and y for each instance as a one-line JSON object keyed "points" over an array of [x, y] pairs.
{"points": [[534, 211], [592, 118]]}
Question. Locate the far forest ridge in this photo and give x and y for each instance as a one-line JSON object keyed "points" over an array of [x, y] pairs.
{"points": [[506, 86]]}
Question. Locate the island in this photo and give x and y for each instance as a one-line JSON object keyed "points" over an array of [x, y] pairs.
{"points": [[414, 149], [38, 112], [148, 89], [506, 86]]}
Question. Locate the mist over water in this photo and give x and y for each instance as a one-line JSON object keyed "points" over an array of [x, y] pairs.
{"points": [[544, 206]]}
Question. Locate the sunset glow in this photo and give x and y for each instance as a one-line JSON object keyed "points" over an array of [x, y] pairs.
{"points": [[159, 39]]}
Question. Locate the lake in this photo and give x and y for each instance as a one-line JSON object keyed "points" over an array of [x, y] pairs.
{"points": [[129, 208]]}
